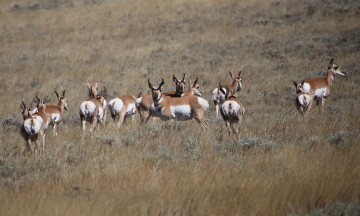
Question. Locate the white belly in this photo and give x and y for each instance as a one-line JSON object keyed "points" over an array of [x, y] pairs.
{"points": [[181, 112]]}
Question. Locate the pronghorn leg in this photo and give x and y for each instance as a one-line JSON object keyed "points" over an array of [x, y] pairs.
{"points": [[83, 122], [43, 143], [54, 130], [199, 117], [121, 119], [93, 122], [217, 108], [322, 103], [308, 108], [104, 118], [30, 145], [227, 123]]}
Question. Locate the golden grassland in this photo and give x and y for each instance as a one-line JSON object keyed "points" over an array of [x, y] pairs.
{"points": [[283, 165]]}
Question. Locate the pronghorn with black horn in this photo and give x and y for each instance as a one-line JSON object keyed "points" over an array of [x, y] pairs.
{"points": [[319, 87], [181, 109], [179, 87], [35, 125], [235, 86], [145, 103], [122, 107], [232, 111], [26, 110], [56, 111], [94, 109]]}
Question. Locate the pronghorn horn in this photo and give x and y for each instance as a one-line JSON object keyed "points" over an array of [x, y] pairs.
{"points": [[239, 73], [22, 105], [221, 89], [232, 77], [331, 61], [195, 82], [57, 95], [63, 94], [183, 79], [46, 100], [36, 99], [150, 85], [162, 83], [139, 95], [175, 79], [295, 84]]}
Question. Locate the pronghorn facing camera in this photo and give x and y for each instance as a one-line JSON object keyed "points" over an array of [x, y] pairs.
{"points": [[181, 109], [56, 111], [320, 87], [232, 111], [179, 87], [34, 127], [121, 108], [145, 104], [217, 94]]}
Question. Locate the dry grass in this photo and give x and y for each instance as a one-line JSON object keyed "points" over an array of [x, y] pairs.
{"points": [[283, 164]]}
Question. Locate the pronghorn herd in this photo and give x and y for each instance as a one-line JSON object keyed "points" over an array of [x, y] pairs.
{"points": [[180, 105]]}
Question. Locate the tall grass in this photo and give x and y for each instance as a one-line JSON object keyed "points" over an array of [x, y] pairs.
{"points": [[283, 164]]}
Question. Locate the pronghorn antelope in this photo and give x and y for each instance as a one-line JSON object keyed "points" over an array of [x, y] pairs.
{"points": [[93, 93], [26, 111], [121, 108], [232, 111], [180, 87], [218, 96], [56, 111], [302, 100], [181, 109], [145, 103], [320, 87], [35, 125], [94, 109]]}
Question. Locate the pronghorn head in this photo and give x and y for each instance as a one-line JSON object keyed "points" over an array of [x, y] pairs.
{"points": [[180, 84], [25, 110], [156, 91], [41, 104], [93, 89], [334, 68], [236, 85], [194, 87], [228, 93], [62, 100], [299, 87]]}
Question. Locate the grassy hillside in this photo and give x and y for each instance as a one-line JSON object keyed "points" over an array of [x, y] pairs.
{"points": [[283, 164]]}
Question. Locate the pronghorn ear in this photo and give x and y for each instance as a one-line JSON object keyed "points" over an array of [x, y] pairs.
{"points": [[302, 83], [232, 77], [57, 95], [221, 88], [96, 84], [150, 85]]}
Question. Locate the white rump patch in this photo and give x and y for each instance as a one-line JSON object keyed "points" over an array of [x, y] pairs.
{"points": [[55, 117], [306, 88], [115, 105], [304, 100], [32, 125], [131, 110], [204, 103], [217, 95], [87, 108], [233, 111]]}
